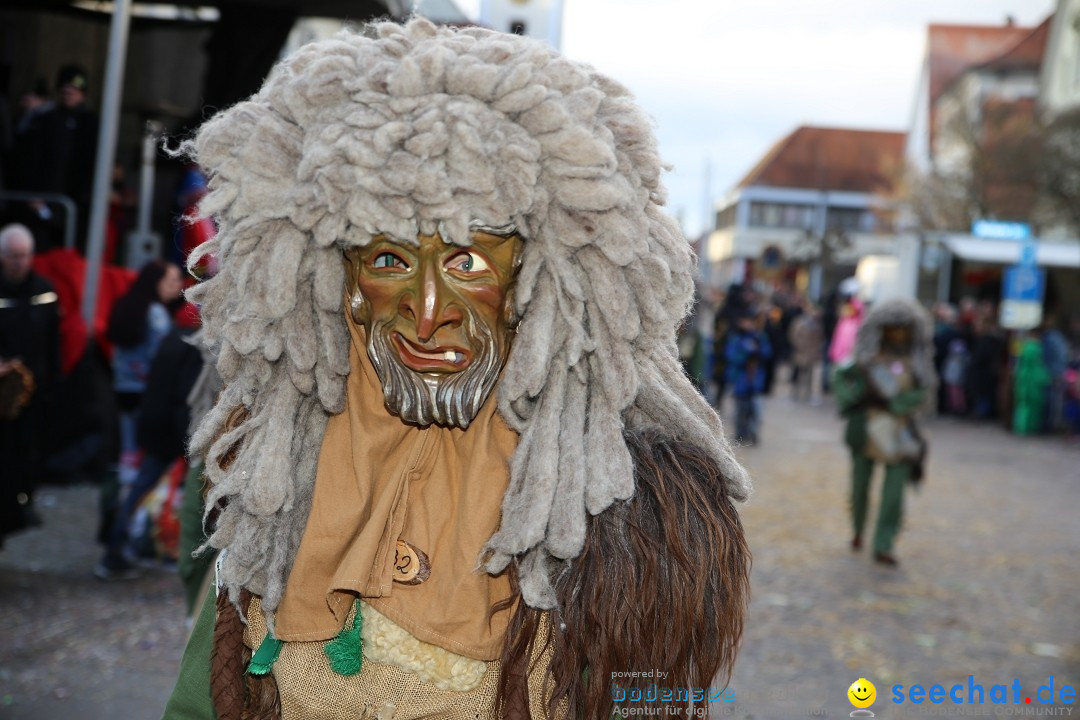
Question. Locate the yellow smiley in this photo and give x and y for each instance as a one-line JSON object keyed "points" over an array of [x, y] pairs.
{"points": [[862, 693]]}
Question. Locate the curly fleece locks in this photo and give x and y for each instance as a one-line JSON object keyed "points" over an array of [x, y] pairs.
{"points": [[414, 129]]}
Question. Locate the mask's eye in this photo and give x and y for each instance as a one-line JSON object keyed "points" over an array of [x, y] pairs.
{"points": [[468, 262], [389, 260]]}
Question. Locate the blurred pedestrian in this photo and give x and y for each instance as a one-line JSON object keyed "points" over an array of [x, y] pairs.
{"points": [[1056, 356], [986, 369], [830, 316], [140, 320], [29, 371], [807, 340], [1071, 409], [773, 328], [191, 230], [945, 331], [746, 353], [890, 378], [954, 371], [161, 432], [842, 343], [721, 328], [33, 103], [56, 153]]}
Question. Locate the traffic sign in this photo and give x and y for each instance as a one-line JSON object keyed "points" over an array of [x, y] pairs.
{"points": [[1022, 297], [1028, 253]]}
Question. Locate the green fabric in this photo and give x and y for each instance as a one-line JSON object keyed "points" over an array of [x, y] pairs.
{"points": [[848, 386], [190, 698], [862, 468], [1030, 383], [265, 657], [346, 651], [192, 570], [891, 509], [907, 402], [891, 512]]}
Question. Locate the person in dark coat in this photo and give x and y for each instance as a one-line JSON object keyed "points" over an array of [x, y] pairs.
{"points": [[58, 151], [161, 434], [29, 348]]}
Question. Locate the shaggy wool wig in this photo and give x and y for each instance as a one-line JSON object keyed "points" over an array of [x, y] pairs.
{"points": [[900, 311], [412, 129]]}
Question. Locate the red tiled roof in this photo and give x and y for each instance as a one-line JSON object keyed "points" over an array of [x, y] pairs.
{"points": [[952, 49], [1027, 53], [831, 159]]}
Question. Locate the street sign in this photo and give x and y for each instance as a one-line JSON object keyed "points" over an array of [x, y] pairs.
{"points": [[1028, 253], [999, 230], [1022, 297]]}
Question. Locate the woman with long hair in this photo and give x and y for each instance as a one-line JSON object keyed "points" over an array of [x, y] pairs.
{"points": [[139, 321]]}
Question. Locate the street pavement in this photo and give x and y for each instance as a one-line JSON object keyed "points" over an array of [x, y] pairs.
{"points": [[987, 586]]}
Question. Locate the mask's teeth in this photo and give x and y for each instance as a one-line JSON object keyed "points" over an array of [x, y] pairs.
{"points": [[450, 356]]}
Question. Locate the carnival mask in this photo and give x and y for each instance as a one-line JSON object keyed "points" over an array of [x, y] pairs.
{"points": [[897, 338], [438, 319]]}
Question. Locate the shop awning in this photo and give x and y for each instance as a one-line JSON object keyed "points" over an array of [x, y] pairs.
{"points": [[1007, 252]]}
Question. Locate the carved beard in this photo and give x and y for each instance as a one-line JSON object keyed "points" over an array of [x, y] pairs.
{"points": [[423, 399]]}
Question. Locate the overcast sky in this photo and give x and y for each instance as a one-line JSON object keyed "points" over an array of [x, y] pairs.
{"points": [[725, 79]]}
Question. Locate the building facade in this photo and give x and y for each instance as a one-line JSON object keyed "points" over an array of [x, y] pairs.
{"points": [[813, 206]]}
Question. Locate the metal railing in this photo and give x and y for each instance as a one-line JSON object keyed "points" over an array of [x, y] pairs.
{"points": [[70, 211]]}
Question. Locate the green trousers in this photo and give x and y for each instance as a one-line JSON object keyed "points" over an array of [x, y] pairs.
{"points": [[891, 510]]}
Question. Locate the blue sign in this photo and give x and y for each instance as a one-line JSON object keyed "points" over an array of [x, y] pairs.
{"points": [[999, 230], [1024, 283], [1028, 253], [1022, 297]]}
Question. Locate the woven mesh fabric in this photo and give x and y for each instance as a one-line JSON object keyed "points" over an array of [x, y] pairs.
{"points": [[310, 689]]}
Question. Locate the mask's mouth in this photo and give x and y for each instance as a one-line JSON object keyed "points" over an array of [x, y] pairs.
{"points": [[416, 357]]}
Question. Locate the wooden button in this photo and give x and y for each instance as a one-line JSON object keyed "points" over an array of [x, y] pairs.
{"points": [[411, 565]]}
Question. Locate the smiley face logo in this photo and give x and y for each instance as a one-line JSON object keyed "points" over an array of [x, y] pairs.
{"points": [[862, 693]]}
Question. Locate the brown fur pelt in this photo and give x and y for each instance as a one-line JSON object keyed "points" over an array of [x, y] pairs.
{"points": [[236, 694], [662, 584], [227, 661], [262, 701]]}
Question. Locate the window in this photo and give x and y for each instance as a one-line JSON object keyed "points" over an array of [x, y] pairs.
{"points": [[852, 219], [786, 215], [726, 217]]}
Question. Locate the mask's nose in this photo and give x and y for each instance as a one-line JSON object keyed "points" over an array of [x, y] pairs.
{"points": [[434, 306]]}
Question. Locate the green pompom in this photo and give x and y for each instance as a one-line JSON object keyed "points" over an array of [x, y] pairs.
{"points": [[346, 651]]}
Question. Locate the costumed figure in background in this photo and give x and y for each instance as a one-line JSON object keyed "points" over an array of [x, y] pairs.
{"points": [[1030, 383], [881, 391], [456, 469]]}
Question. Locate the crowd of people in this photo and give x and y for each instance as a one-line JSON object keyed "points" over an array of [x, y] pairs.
{"points": [[148, 400], [120, 379], [1028, 381]]}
